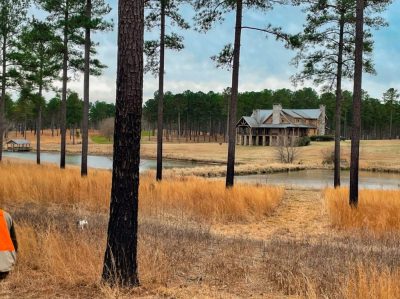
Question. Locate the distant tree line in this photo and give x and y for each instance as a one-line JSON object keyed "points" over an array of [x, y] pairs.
{"points": [[199, 116], [21, 114]]}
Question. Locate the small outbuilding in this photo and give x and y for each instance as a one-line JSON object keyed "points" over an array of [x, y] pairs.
{"points": [[18, 145]]}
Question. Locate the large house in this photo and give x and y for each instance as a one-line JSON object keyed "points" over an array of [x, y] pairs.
{"points": [[280, 126]]}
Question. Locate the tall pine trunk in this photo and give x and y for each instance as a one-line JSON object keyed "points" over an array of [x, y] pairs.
{"points": [[63, 125], [357, 93], [39, 126], [391, 123], [179, 126], [52, 125], [85, 117], [161, 95], [73, 134], [230, 172], [338, 112], [120, 261], [3, 94]]}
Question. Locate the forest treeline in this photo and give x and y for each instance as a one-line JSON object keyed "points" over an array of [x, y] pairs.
{"points": [[204, 115], [21, 114], [201, 116]]}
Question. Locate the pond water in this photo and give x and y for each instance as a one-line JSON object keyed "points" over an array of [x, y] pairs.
{"points": [[315, 178], [321, 178], [101, 162]]}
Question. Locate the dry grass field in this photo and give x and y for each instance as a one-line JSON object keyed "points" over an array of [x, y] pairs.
{"points": [[378, 211], [196, 240]]}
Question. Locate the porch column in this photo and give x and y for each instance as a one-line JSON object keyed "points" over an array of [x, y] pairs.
{"points": [[293, 136], [251, 137], [263, 140]]}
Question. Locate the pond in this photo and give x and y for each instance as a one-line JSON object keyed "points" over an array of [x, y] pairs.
{"points": [[313, 178], [100, 162], [321, 178]]}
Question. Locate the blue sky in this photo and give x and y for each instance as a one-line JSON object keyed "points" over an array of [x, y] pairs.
{"points": [[265, 63]]}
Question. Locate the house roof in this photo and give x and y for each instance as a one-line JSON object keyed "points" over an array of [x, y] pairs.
{"points": [[259, 116], [19, 141], [251, 121], [303, 113], [282, 126]]}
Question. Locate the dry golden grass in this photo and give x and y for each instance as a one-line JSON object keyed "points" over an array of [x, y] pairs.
{"points": [[180, 258], [369, 282], [242, 169], [56, 260], [187, 197], [205, 199], [47, 184], [374, 154], [378, 210]]}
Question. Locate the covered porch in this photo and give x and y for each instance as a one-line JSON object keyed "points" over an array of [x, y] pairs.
{"points": [[283, 135]]}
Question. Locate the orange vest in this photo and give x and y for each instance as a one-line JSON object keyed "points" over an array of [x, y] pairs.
{"points": [[6, 243]]}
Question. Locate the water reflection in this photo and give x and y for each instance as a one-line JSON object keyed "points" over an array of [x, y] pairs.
{"points": [[100, 162], [321, 178]]}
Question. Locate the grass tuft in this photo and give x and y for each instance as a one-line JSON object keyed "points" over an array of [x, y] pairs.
{"points": [[370, 282], [378, 210]]}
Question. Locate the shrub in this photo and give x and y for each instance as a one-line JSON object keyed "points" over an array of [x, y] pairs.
{"points": [[328, 156], [303, 141], [322, 138]]}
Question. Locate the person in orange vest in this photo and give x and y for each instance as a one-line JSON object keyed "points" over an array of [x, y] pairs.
{"points": [[8, 244]]}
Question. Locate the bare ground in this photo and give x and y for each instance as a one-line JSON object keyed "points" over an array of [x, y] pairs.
{"points": [[300, 214]]}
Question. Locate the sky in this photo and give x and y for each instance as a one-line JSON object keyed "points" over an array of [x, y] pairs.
{"points": [[265, 63]]}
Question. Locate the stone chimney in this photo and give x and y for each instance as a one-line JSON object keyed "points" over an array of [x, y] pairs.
{"points": [[276, 114], [322, 120], [256, 115]]}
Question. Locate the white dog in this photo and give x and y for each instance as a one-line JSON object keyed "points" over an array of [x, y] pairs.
{"points": [[82, 224]]}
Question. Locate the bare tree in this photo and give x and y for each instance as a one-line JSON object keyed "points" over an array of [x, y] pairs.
{"points": [[106, 127], [287, 152]]}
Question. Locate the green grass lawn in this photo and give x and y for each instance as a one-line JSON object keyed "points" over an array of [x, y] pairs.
{"points": [[101, 140], [98, 139]]}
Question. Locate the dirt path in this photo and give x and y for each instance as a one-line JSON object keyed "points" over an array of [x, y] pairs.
{"points": [[300, 214]]}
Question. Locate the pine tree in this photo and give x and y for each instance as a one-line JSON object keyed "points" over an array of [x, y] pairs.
{"points": [[65, 16], [120, 261], [95, 11], [12, 18], [207, 13], [159, 11], [39, 63], [357, 94], [390, 98]]}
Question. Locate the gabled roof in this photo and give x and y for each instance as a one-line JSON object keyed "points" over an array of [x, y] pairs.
{"points": [[250, 121], [303, 113], [19, 141], [259, 116]]}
